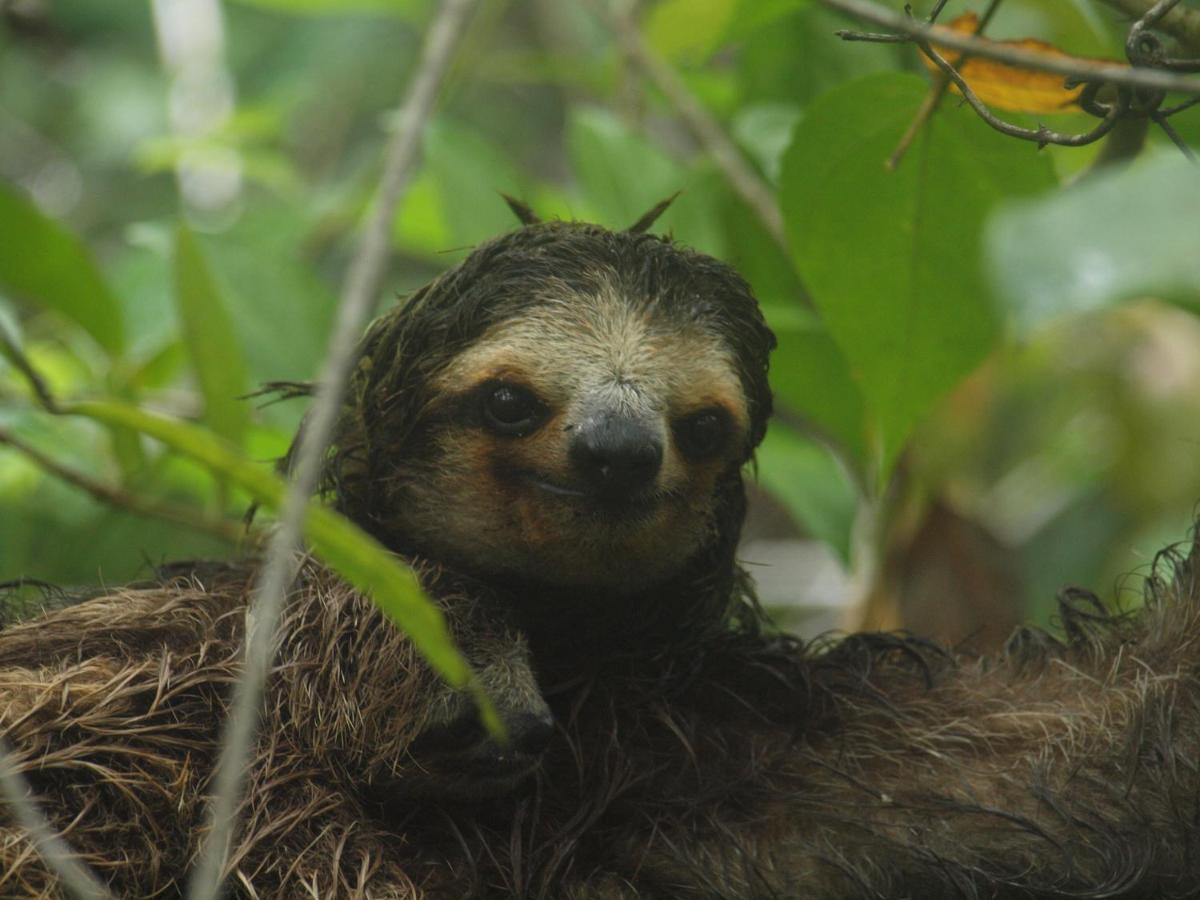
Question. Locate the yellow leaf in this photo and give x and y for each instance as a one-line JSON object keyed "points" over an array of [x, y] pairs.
{"points": [[1006, 87]]}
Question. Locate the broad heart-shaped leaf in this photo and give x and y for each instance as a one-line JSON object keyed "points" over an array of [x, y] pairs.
{"points": [[351, 552], [44, 264], [893, 259], [211, 341], [1114, 236]]}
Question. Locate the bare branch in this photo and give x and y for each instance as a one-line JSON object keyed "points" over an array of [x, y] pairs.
{"points": [[1040, 135], [1069, 67], [225, 530], [76, 880], [754, 192], [937, 90], [358, 295]]}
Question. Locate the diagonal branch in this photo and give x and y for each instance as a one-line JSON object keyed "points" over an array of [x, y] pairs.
{"points": [[753, 191], [224, 530], [1068, 67], [358, 294]]}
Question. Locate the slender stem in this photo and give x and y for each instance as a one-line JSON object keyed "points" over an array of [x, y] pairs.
{"points": [[77, 881], [755, 192], [1069, 67], [227, 531], [358, 295], [937, 91], [1040, 135]]}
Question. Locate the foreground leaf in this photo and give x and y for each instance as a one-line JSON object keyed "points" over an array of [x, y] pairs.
{"points": [[44, 264], [893, 259], [352, 553]]}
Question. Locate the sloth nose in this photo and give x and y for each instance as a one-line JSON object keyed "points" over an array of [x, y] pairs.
{"points": [[616, 455], [530, 733]]}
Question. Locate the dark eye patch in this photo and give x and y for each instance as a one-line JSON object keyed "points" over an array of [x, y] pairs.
{"points": [[703, 434], [509, 409]]}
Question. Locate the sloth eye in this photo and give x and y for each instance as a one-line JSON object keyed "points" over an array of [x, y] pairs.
{"points": [[511, 410], [702, 434]]}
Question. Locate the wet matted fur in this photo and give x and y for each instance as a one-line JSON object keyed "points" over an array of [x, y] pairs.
{"points": [[114, 707], [697, 754]]}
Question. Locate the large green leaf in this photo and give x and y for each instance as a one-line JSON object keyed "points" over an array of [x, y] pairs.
{"points": [[43, 263], [337, 541], [893, 259], [211, 341], [1128, 233]]}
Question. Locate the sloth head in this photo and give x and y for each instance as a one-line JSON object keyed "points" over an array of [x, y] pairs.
{"points": [[569, 408]]}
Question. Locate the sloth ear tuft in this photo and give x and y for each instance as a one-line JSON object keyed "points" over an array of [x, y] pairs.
{"points": [[643, 224], [522, 210]]}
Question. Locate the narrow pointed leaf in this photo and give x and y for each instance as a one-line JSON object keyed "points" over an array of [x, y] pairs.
{"points": [[44, 264], [210, 339]]}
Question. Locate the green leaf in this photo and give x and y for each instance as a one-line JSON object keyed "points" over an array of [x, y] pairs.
{"points": [[1114, 236], [751, 15], [623, 175], [211, 341], [411, 9], [807, 479], [893, 259], [689, 31], [810, 376], [352, 553], [43, 263]]}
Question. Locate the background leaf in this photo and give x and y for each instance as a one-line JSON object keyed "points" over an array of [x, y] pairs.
{"points": [[1121, 234], [807, 479], [43, 263]]}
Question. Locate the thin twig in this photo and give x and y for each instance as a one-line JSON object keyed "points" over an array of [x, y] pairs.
{"points": [[16, 356], [754, 192], [77, 880], [1040, 135], [1070, 67], [225, 530], [358, 295], [937, 90]]}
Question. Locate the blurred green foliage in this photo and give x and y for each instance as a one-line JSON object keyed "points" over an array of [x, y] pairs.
{"points": [[931, 340]]}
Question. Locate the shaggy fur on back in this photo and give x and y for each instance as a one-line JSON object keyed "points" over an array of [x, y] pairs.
{"points": [[114, 708]]}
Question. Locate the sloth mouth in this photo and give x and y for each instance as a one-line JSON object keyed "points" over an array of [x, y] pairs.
{"points": [[610, 507]]}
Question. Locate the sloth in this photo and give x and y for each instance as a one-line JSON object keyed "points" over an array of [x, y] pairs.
{"points": [[554, 432]]}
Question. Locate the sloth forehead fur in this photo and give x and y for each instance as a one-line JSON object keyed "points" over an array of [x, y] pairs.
{"points": [[569, 406]]}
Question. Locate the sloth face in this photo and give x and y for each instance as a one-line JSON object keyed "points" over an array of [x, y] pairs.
{"points": [[582, 441], [567, 408]]}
